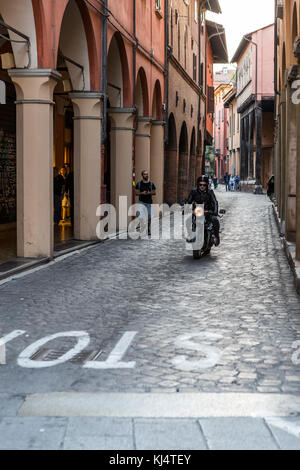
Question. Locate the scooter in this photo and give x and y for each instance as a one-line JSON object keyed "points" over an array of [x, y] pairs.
{"points": [[199, 231]]}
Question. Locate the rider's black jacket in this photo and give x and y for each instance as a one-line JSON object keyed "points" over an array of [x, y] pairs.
{"points": [[207, 198]]}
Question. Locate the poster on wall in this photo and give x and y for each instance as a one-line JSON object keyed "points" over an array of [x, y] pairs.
{"points": [[7, 177]]}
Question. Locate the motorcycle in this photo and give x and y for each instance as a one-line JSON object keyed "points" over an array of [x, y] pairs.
{"points": [[199, 228]]}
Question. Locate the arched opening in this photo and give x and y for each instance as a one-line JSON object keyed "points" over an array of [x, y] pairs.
{"points": [[118, 80], [142, 156], [74, 66], [183, 164], [157, 102], [157, 143], [19, 15], [8, 162], [142, 95], [119, 97], [171, 167], [192, 166]]}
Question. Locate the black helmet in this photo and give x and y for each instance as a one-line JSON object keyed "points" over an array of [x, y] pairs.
{"points": [[203, 179]]}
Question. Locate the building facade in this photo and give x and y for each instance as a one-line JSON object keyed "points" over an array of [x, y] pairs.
{"points": [[233, 132], [255, 103], [221, 131], [216, 53], [186, 97], [82, 87], [287, 144]]}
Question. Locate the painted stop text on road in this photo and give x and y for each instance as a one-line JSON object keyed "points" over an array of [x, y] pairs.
{"points": [[115, 360]]}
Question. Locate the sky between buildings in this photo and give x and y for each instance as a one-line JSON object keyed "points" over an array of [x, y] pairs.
{"points": [[240, 17]]}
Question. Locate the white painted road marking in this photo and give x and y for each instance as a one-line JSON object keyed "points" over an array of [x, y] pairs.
{"points": [[114, 360], [212, 353], [288, 426], [24, 358], [161, 405], [5, 339]]}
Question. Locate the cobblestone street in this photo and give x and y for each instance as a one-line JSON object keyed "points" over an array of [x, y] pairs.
{"points": [[239, 306]]}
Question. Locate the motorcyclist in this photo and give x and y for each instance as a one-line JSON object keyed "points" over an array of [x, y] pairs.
{"points": [[203, 195]]}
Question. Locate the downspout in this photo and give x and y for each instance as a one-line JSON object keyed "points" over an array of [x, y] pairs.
{"points": [[134, 100], [199, 97], [168, 53], [275, 62], [104, 72]]}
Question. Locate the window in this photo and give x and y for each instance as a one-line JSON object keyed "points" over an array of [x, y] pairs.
{"points": [[158, 9], [157, 4], [202, 75], [196, 11], [194, 67]]}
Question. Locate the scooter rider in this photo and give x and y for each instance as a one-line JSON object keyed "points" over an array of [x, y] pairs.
{"points": [[203, 195]]}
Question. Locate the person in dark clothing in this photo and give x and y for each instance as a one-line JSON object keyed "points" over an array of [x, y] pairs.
{"points": [[145, 189], [271, 184], [227, 181], [69, 189], [203, 195], [58, 187]]}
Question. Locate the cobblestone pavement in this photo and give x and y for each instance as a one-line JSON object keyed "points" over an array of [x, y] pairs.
{"points": [[240, 303]]}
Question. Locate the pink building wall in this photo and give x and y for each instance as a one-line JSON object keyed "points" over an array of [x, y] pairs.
{"points": [[264, 38]]}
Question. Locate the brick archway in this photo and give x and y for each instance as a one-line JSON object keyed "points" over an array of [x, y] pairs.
{"points": [[192, 165], [157, 102], [183, 164], [49, 18], [142, 93], [171, 167], [117, 57]]}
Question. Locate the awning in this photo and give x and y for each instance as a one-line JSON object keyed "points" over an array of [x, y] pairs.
{"points": [[218, 42], [213, 5]]}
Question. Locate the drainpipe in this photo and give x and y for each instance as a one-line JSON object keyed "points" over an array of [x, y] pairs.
{"points": [[104, 72], [134, 97], [199, 83], [275, 61], [135, 47]]}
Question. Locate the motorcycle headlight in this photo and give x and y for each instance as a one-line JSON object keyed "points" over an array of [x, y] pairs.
{"points": [[199, 212]]}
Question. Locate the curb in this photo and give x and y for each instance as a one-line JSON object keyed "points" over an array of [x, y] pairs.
{"points": [[290, 251]]}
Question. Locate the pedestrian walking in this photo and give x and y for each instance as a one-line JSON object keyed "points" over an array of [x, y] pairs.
{"points": [[145, 189], [232, 184], [227, 181], [271, 184], [215, 180], [58, 190], [70, 189]]}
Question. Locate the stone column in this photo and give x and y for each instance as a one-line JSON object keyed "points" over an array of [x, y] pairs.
{"points": [[87, 162], [142, 147], [121, 138], [251, 160], [258, 161], [157, 159], [34, 89], [291, 164], [282, 159]]}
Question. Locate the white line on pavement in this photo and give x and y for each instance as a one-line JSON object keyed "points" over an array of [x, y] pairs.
{"points": [[161, 405]]}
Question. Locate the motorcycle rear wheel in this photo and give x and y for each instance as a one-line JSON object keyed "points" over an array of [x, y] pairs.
{"points": [[197, 254]]}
